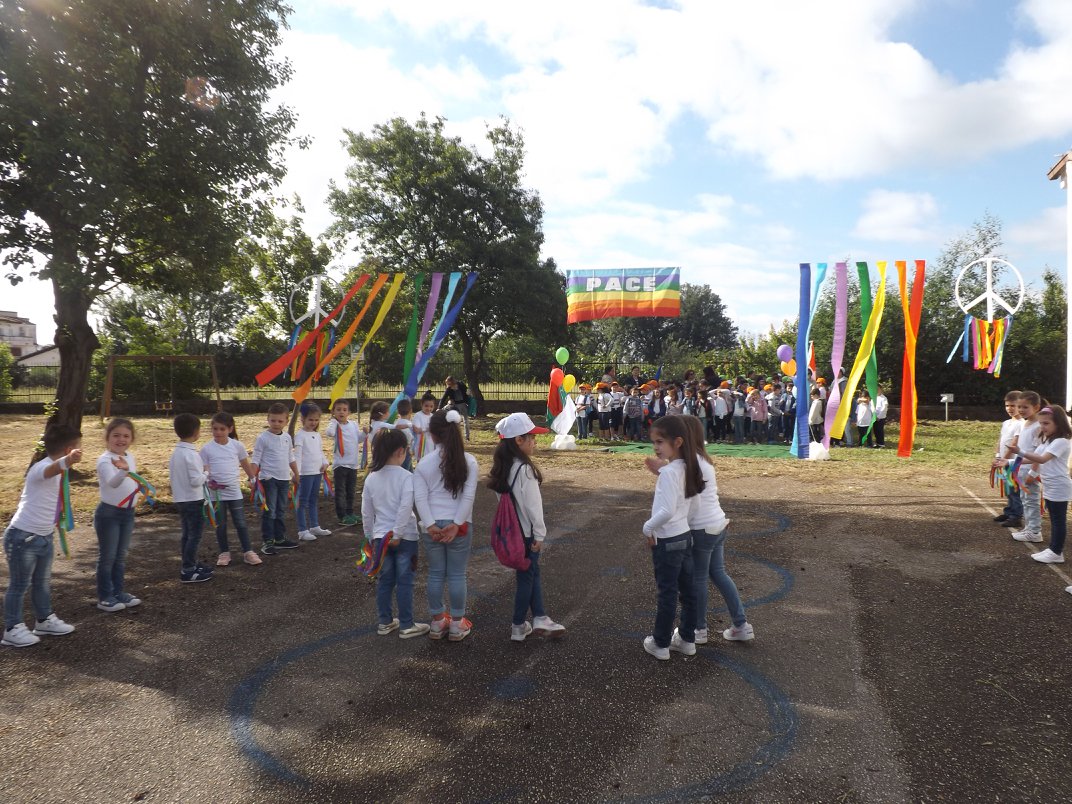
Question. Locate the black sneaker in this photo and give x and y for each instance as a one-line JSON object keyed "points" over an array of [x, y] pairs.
{"points": [[1012, 523], [195, 576], [284, 544], [269, 549], [1001, 518]]}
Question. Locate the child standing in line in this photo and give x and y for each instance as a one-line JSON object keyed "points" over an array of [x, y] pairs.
{"points": [[114, 518], [422, 443], [347, 439], [378, 420], [667, 532], [617, 418], [720, 412], [675, 405], [864, 416], [757, 412], [1028, 441], [512, 470], [224, 455], [387, 513], [603, 407], [1013, 514], [273, 462], [815, 416], [1052, 460], [444, 487], [309, 457], [28, 540], [882, 410], [633, 409], [188, 478], [404, 422], [740, 422], [581, 405]]}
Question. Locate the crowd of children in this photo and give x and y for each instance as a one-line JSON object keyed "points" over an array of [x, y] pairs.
{"points": [[753, 410], [1033, 458]]}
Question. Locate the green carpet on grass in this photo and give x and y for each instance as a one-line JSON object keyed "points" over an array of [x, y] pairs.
{"points": [[740, 450]]}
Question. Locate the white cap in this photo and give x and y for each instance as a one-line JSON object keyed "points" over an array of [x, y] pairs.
{"points": [[517, 424]]}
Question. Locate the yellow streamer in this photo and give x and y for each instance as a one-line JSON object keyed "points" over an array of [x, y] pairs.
{"points": [[863, 354], [343, 382]]}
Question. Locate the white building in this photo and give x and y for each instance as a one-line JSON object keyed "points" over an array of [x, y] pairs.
{"points": [[20, 334]]}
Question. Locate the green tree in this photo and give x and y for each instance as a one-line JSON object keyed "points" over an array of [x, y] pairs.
{"points": [[131, 133], [7, 367], [420, 201]]}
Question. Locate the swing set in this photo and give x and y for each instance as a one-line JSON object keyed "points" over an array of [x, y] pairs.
{"points": [[166, 406]]}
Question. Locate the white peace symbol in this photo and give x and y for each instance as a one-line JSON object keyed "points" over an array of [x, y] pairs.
{"points": [[316, 300], [989, 295]]}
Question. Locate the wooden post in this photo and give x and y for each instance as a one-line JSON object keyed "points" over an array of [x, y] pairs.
{"points": [[106, 397], [215, 383]]}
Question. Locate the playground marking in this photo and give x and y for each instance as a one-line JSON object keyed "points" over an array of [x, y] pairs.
{"points": [[1060, 572]]}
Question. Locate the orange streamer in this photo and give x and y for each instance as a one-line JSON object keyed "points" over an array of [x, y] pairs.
{"points": [[912, 313]]}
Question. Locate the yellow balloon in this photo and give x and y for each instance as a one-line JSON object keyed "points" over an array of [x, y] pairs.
{"points": [[791, 367], [568, 382], [785, 368]]}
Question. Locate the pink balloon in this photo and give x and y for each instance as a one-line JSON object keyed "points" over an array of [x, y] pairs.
{"points": [[556, 376]]}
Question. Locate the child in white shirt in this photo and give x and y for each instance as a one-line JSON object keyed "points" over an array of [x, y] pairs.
{"points": [[114, 518], [882, 410], [347, 441], [387, 513], [224, 456], [421, 419], [404, 422], [188, 478], [273, 461], [1013, 514], [864, 416], [309, 456]]}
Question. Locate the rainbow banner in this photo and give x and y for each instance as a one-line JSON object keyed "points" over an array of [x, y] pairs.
{"points": [[623, 292]]}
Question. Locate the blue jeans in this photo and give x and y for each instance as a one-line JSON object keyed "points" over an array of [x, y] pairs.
{"points": [[308, 496], [447, 562], [238, 516], [674, 577], [114, 527], [399, 565], [529, 594], [191, 514], [634, 428], [709, 561], [273, 524], [1014, 508], [738, 429], [1029, 497], [345, 488], [582, 425], [29, 564]]}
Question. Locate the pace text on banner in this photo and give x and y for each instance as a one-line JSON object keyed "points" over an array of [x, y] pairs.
{"points": [[616, 292]]}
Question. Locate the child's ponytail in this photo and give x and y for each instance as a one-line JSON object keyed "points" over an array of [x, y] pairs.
{"points": [[228, 421], [444, 430]]}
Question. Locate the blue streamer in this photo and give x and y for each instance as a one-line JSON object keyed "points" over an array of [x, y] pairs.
{"points": [[800, 445]]}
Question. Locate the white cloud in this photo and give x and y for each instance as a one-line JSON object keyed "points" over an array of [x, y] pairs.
{"points": [[898, 217], [1047, 231]]}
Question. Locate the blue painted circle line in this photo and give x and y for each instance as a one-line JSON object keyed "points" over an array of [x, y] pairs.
{"points": [[781, 524], [783, 727]]}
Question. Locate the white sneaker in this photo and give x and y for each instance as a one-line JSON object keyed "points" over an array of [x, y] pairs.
{"points": [[415, 630], [383, 629], [662, 654], [1047, 556], [701, 636], [52, 626], [1027, 536], [306, 536], [742, 634], [545, 626], [19, 636], [681, 646], [111, 604], [1068, 589], [319, 531], [519, 632]]}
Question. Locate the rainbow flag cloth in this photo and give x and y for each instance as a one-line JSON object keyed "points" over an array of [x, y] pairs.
{"points": [[622, 292]]}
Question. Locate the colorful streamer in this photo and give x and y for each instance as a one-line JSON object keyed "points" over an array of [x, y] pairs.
{"points": [[800, 445], [292, 497], [999, 352], [429, 313], [257, 495], [871, 373], [209, 507], [144, 488], [837, 353], [326, 485], [911, 312], [370, 557], [64, 513], [863, 355], [343, 382], [443, 328], [411, 338], [280, 364]]}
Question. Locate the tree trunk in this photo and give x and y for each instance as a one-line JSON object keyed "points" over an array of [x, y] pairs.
{"points": [[471, 376], [76, 342]]}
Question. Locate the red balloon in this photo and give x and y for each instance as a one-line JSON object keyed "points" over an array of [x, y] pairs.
{"points": [[556, 376]]}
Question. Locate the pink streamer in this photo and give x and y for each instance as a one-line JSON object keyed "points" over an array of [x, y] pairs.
{"points": [[429, 311], [837, 353]]}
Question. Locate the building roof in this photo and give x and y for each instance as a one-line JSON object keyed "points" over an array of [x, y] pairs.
{"points": [[11, 317], [1056, 172], [40, 351]]}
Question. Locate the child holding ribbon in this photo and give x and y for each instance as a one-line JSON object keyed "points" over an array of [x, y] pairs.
{"points": [[1028, 441], [224, 455], [348, 439], [421, 419], [114, 518], [1052, 459], [275, 467], [188, 479], [309, 456], [28, 540]]}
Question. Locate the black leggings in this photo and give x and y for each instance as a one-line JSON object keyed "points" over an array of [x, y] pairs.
{"points": [[1058, 511]]}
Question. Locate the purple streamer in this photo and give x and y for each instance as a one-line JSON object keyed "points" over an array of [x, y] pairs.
{"points": [[429, 311], [837, 353], [446, 323]]}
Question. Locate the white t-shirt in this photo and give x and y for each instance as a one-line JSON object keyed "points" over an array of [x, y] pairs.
{"points": [[705, 511], [223, 462], [309, 452], [37, 505], [863, 414], [1056, 482], [882, 406], [116, 487], [273, 454], [815, 412], [349, 437], [1010, 429], [387, 504], [1028, 441], [432, 499]]}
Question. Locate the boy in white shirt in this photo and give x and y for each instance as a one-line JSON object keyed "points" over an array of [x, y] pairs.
{"points": [[273, 461], [1013, 514], [882, 410], [309, 457], [28, 541], [347, 439], [186, 470]]}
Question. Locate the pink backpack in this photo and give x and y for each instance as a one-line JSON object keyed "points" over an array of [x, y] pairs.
{"points": [[507, 538]]}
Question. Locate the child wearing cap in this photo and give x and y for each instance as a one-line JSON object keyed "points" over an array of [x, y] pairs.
{"points": [[604, 402], [582, 402], [512, 471]]}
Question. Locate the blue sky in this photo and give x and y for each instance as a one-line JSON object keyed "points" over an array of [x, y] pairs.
{"points": [[733, 140]]}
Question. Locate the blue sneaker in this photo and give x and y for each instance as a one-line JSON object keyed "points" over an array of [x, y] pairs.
{"points": [[111, 604], [128, 600], [197, 575]]}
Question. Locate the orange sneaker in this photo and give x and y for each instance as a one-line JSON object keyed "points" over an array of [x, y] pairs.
{"points": [[459, 629], [440, 625]]}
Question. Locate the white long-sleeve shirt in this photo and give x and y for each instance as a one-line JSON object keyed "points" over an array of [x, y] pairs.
{"points": [[815, 412], [346, 440], [705, 511], [1010, 429], [529, 501], [864, 414], [669, 510], [882, 406], [116, 487], [273, 454], [223, 462], [387, 504], [187, 472], [431, 497], [309, 452]]}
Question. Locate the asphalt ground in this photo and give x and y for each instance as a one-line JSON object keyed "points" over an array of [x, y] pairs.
{"points": [[906, 650]]}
